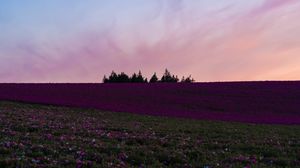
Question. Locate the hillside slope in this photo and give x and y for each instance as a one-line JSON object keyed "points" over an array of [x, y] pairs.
{"points": [[256, 102]]}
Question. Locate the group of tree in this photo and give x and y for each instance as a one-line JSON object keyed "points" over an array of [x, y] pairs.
{"points": [[124, 78], [138, 78]]}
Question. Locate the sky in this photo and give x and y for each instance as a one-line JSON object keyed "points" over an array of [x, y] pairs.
{"points": [[82, 40]]}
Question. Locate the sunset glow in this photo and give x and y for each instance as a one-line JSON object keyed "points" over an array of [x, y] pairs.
{"points": [[216, 40]]}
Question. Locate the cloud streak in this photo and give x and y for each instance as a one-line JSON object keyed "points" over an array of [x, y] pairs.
{"points": [[228, 41]]}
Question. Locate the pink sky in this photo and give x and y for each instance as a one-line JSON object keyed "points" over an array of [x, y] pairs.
{"points": [[219, 40]]}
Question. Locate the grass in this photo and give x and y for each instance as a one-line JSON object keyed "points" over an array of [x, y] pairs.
{"points": [[34, 135]]}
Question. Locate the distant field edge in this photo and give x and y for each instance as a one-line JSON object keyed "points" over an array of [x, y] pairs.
{"points": [[184, 119]]}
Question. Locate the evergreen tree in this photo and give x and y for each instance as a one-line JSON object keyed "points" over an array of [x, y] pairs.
{"points": [[140, 78], [154, 78], [105, 80], [182, 79], [133, 78], [113, 77], [187, 80], [123, 78], [167, 77], [174, 79]]}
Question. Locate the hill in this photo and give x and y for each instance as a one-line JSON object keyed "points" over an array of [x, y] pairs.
{"points": [[254, 102]]}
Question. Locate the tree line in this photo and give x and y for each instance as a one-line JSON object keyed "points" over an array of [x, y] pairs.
{"points": [[139, 78]]}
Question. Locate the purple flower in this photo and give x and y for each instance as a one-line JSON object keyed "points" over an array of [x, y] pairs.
{"points": [[122, 156], [49, 136], [79, 163]]}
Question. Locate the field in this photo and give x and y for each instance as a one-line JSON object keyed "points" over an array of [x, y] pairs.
{"points": [[234, 124], [251, 102], [33, 135]]}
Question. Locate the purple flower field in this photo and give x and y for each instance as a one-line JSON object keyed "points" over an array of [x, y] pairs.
{"points": [[254, 102], [33, 135]]}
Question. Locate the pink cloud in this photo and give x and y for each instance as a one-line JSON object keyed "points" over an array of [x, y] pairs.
{"points": [[211, 47], [270, 5]]}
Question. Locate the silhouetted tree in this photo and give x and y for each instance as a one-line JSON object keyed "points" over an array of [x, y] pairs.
{"points": [[153, 78], [133, 78], [187, 80], [167, 77], [113, 77], [140, 78], [175, 78], [123, 78], [182, 79], [116, 78], [105, 80]]}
